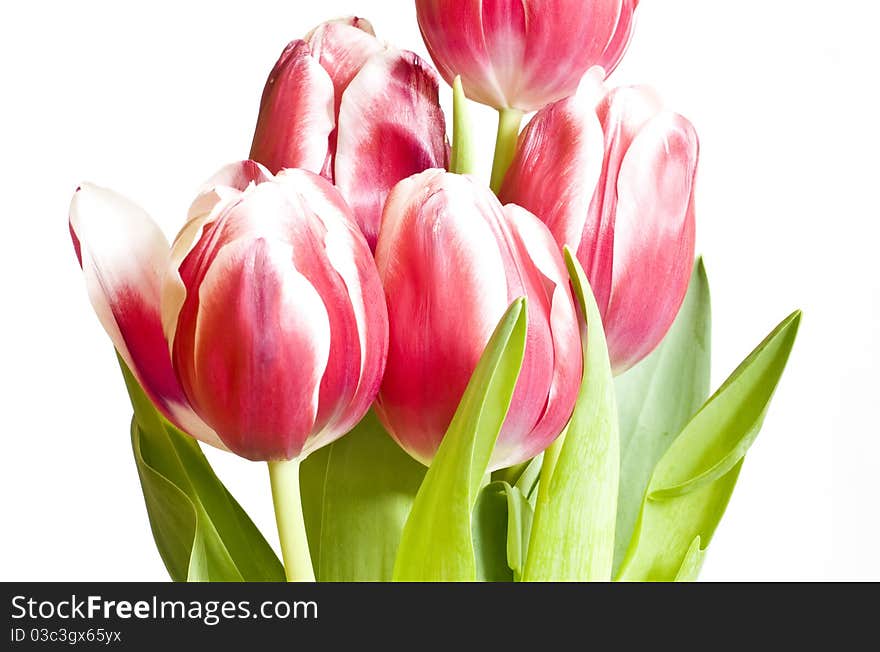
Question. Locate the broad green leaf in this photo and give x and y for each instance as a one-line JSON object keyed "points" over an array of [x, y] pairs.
{"points": [[357, 493], [437, 543], [657, 398], [502, 521], [692, 484], [573, 531], [201, 532]]}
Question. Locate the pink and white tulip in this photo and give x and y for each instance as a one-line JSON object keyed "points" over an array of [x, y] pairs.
{"points": [[451, 260], [612, 175], [524, 54], [364, 115], [263, 327]]}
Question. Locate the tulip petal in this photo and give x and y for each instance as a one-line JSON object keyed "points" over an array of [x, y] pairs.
{"points": [[296, 113], [530, 396], [455, 38], [390, 127], [301, 195], [236, 176], [306, 214], [557, 167], [123, 256], [431, 239], [623, 112], [359, 290], [549, 74], [505, 31], [654, 237], [354, 21], [223, 188], [342, 49], [524, 54], [239, 372], [554, 343], [450, 258], [619, 42]]}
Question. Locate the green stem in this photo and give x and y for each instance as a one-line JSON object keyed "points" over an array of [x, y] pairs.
{"points": [[284, 477], [509, 121], [461, 160]]}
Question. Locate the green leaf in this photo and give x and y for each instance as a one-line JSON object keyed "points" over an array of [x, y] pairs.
{"points": [[437, 543], [528, 480], [501, 524], [201, 532], [692, 564], [489, 528], [357, 493], [573, 532], [657, 398], [523, 475], [692, 484]]}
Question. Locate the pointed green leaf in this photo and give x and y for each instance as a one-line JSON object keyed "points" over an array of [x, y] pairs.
{"points": [[573, 531], [437, 542], [201, 532], [692, 484], [501, 524], [657, 398], [692, 564], [489, 527], [357, 493], [523, 475], [520, 516], [527, 482]]}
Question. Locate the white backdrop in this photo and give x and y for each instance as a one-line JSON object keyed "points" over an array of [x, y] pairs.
{"points": [[150, 98]]}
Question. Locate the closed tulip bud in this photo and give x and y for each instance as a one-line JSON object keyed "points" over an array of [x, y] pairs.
{"points": [[364, 115], [451, 260], [524, 54], [264, 323], [612, 175]]}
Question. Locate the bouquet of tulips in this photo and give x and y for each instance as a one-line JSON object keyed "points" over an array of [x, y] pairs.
{"points": [[449, 380]]}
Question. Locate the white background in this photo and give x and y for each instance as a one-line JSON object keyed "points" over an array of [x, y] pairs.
{"points": [[150, 98]]}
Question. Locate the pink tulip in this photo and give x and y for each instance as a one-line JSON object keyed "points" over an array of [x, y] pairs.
{"points": [[364, 115], [612, 175], [268, 301], [524, 54], [451, 260]]}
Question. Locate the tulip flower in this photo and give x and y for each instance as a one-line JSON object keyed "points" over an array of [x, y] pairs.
{"points": [[612, 175], [364, 115], [520, 55], [263, 327], [451, 260], [524, 54]]}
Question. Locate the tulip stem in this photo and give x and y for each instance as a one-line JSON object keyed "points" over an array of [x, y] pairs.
{"points": [[284, 477], [461, 160], [509, 121]]}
